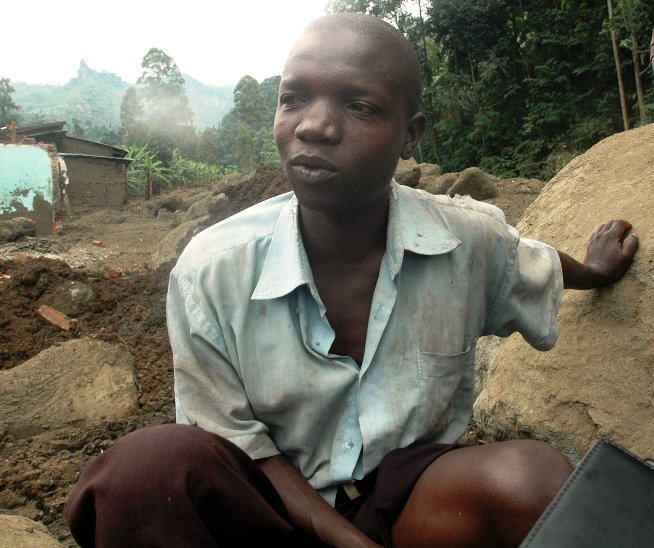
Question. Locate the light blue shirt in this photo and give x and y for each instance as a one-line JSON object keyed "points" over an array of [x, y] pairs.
{"points": [[251, 340]]}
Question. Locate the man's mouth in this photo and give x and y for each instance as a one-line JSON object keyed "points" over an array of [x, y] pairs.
{"points": [[311, 167]]}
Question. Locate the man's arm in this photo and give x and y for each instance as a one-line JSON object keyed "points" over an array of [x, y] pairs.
{"points": [[308, 510], [608, 257]]}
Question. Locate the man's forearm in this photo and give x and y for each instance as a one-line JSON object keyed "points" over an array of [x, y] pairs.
{"points": [[577, 275], [308, 510]]}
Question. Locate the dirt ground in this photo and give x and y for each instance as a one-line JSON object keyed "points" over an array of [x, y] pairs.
{"points": [[107, 250]]}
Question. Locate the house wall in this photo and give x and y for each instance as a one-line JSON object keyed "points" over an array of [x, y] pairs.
{"points": [[27, 173], [96, 182]]}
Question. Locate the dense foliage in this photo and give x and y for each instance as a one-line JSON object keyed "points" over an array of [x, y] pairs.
{"points": [[521, 86]]}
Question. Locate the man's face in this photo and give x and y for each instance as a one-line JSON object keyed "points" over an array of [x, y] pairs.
{"points": [[340, 125]]}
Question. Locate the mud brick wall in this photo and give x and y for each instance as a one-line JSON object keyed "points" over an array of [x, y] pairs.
{"points": [[96, 182]]}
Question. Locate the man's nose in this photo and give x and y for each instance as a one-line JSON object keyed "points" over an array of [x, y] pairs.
{"points": [[320, 122]]}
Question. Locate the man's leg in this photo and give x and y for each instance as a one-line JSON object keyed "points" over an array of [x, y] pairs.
{"points": [[177, 486], [487, 495]]}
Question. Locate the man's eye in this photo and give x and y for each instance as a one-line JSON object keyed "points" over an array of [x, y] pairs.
{"points": [[290, 100], [362, 108]]}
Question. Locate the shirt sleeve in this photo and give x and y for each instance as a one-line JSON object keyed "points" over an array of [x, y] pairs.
{"points": [[208, 390], [531, 294]]}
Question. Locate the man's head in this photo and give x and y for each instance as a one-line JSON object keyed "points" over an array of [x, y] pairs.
{"points": [[387, 41], [348, 109]]}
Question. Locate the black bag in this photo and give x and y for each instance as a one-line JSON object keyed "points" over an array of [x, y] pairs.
{"points": [[607, 502]]}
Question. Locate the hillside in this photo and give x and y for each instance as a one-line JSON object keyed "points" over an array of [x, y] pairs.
{"points": [[91, 101]]}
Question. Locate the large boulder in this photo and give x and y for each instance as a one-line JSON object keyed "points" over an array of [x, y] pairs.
{"points": [[599, 379], [215, 206], [475, 183], [407, 172], [171, 247], [20, 532], [78, 383]]}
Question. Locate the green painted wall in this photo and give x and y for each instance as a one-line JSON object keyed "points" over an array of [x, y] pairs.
{"points": [[25, 178]]}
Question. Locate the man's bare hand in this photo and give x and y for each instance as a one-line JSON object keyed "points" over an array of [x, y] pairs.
{"points": [[609, 255], [610, 251]]}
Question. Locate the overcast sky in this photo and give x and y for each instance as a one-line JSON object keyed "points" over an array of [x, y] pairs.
{"points": [[214, 41]]}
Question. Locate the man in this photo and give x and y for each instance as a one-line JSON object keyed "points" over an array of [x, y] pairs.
{"points": [[60, 195], [324, 341]]}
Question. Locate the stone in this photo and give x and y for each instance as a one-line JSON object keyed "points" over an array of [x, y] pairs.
{"points": [[73, 298], [16, 228], [209, 205], [229, 180], [598, 381], [429, 170], [167, 217], [20, 532], [407, 172], [475, 183], [439, 184], [170, 248], [78, 383]]}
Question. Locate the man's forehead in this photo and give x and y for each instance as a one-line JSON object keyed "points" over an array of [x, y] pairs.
{"points": [[345, 48]]}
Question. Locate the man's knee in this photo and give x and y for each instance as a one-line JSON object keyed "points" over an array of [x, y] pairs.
{"points": [[525, 474], [160, 479], [488, 494]]}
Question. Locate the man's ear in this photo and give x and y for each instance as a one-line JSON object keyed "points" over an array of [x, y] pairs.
{"points": [[415, 129]]}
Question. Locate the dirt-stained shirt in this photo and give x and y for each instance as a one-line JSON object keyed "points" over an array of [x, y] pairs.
{"points": [[251, 340]]}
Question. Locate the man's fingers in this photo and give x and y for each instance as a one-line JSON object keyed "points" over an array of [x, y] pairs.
{"points": [[630, 245]]}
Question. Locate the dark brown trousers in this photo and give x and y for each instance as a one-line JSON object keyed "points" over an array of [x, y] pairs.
{"points": [[180, 486]]}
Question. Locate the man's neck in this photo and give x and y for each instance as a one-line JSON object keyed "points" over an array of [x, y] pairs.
{"points": [[344, 238]]}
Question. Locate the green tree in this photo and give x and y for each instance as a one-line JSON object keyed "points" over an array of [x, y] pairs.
{"points": [[243, 133], [156, 111], [132, 114], [8, 109]]}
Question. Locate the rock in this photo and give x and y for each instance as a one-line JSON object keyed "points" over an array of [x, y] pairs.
{"points": [[16, 228], [229, 180], [407, 172], [173, 244], [79, 382], [168, 217], [599, 379], [475, 183], [429, 170], [209, 205], [439, 184], [20, 532], [73, 298], [174, 201]]}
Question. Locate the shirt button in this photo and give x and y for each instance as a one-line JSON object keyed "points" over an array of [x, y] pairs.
{"points": [[348, 445], [317, 343]]}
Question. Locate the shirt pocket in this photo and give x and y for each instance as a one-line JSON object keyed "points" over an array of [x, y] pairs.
{"points": [[439, 376]]}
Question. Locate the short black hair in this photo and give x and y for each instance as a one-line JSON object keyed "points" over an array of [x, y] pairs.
{"points": [[392, 39]]}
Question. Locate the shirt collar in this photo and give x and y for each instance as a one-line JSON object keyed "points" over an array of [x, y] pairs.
{"points": [[287, 265], [414, 224]]}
